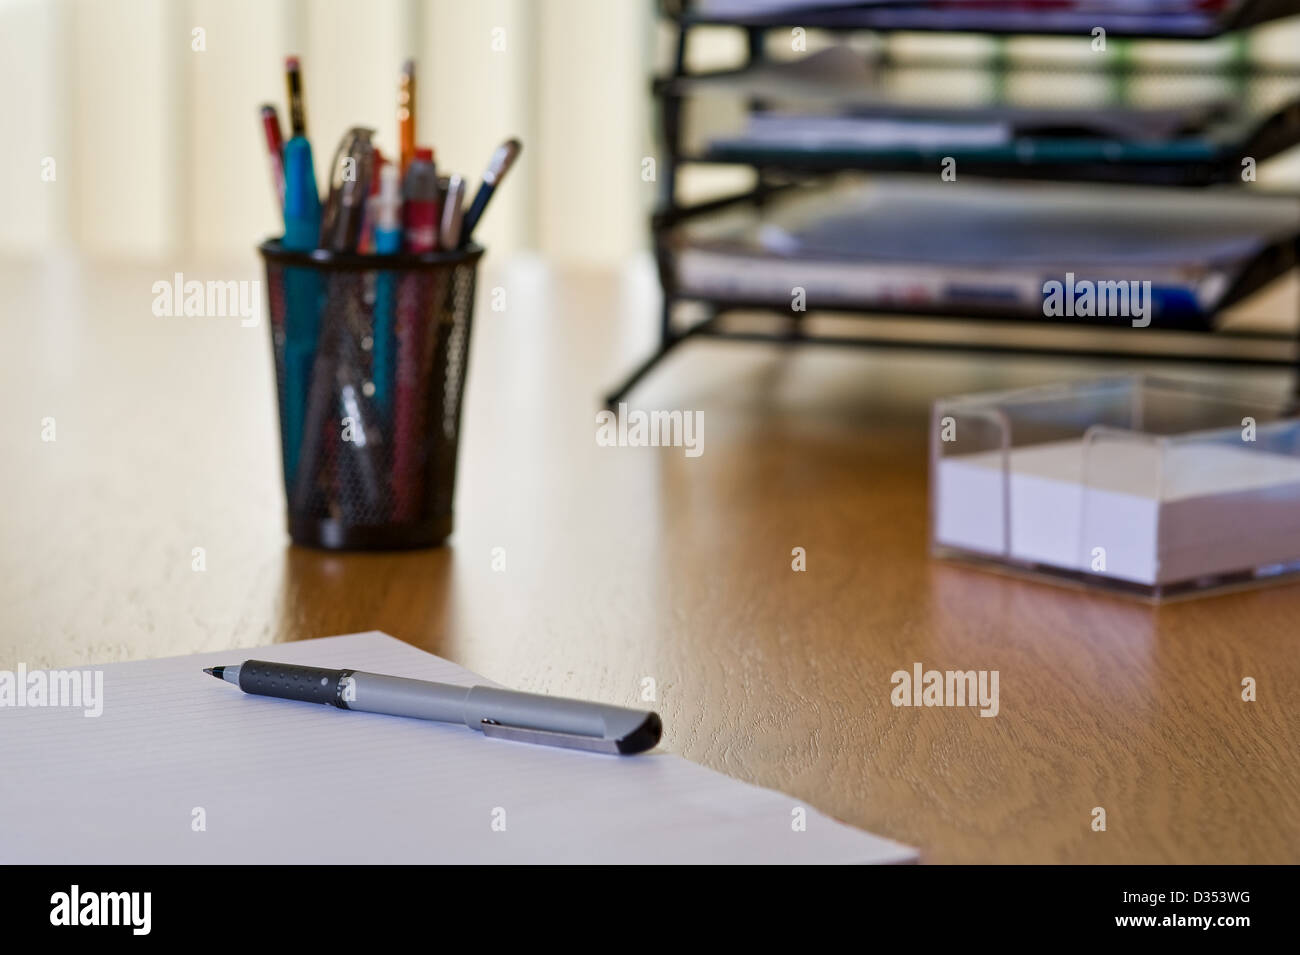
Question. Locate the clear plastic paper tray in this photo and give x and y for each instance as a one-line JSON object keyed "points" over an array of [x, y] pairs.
{"points": [[1139, 484]]}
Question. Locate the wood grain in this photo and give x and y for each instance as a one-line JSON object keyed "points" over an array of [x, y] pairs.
{"points": [[626, 564]]}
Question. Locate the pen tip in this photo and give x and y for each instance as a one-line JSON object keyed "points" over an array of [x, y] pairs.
{"points": [[291, 63], [218, 672]]}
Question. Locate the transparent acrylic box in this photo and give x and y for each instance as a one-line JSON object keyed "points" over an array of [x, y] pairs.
{"points": [[1139, 484]]}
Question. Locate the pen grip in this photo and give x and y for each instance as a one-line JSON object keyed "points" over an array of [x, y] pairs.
{"points": [[290, 682]]}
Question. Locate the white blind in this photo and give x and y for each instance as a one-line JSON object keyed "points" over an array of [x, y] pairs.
{"points": [[158, 151]]}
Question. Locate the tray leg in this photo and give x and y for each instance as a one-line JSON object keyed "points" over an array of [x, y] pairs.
{"points": [[1294, 406], [668, 340]]}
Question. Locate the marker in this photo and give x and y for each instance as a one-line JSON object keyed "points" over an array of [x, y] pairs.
{"points": [[504, 714], [498, 166], [303, 289]]}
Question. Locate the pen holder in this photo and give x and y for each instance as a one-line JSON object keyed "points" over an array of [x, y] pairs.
{"points": [[370, 359]]}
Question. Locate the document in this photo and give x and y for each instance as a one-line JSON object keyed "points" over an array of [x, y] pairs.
{"points": [[180, 768], [984, 245]]}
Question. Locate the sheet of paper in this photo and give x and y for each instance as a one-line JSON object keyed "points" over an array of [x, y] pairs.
{"points": [[276, 781]]}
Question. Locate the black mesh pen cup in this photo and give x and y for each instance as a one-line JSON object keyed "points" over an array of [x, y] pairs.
{"points": [[370, 360]]}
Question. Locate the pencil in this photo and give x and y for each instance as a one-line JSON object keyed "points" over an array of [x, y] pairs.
{"points": [[297, 113], [406, 115]]}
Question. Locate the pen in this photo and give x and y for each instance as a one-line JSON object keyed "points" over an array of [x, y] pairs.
{"points": [[453, 211], [504, 714], [274, 149], [350, 179], [338, 363], [498, 166], [366, 244]]}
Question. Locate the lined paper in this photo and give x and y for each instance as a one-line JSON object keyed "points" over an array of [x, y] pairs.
{"points": [[286, 782]]}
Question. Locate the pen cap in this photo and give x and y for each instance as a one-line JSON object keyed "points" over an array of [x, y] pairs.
{"points": [[421, 210], [421, 176]]}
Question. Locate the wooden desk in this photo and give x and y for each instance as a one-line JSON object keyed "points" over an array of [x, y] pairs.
{"points": [[623, 564]]}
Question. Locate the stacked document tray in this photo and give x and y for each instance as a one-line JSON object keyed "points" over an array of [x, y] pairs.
{"points": [[961, 136], [1103, 255], [1191, 19], [837, 109]]}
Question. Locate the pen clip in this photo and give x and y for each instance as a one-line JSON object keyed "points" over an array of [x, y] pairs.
{"points": [[520, 734]]}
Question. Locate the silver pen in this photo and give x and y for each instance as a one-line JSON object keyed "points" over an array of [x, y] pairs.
{"points": [[505, 714]]}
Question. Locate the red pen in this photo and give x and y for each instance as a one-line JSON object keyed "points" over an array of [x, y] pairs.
{"points": [[275, 150]]}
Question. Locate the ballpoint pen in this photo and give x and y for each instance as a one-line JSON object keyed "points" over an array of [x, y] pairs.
{"points": [[497, 167], [505, 714], [274, 150], [337, 366], [350, 179], [453, 212]]}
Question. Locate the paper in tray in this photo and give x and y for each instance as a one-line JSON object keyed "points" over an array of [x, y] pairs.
{"points": [[979, 245], [1138, 483]]}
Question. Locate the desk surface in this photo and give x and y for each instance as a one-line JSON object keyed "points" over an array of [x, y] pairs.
{"points": [[634, 563]]}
